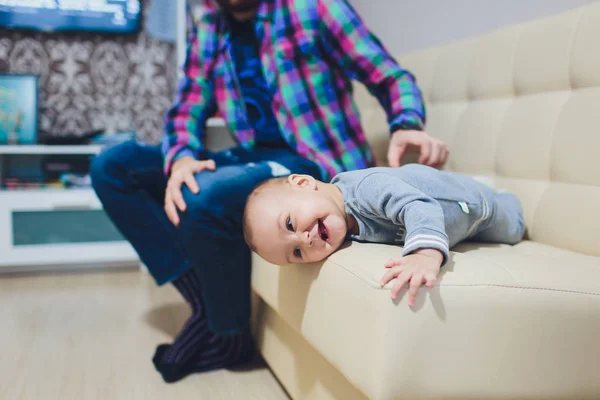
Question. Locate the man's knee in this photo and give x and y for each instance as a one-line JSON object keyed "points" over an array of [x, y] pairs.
{"points": [[101, 167], [217, 207], [208, 202], [115, 165], [106, 165]]}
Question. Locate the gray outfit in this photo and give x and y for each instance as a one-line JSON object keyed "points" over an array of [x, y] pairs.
{"points": [[420, 207]]}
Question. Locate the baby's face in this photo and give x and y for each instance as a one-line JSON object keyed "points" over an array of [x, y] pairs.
{"points": [[296, 222]]}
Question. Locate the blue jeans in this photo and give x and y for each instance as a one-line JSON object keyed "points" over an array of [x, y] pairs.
{"points": [[129, 180]]}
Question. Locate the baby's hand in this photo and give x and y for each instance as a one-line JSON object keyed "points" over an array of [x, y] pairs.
{"points": [[420, 267]]}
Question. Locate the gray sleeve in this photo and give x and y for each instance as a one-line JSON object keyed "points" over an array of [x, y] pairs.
{"points": [[422, 216]]}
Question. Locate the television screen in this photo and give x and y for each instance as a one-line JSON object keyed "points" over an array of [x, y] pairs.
{"points": [[120, 16]]}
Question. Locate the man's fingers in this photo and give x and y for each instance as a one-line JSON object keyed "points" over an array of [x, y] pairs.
{"points": [[436, 154], [432, 152], [395, 155], [415, 284], [389, 275], [399, 283], [185, 174], [203, 166], [188, 172], [444, 156], [190, 182], [425, 152], [171, 210], [174, 188]]}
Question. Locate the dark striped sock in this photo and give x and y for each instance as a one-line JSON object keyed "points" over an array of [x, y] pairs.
{"points": [[196, 348], [223, 351], [195, 331]]}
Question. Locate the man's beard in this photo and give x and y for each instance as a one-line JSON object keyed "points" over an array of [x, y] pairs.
{"points": [[240, 7]]}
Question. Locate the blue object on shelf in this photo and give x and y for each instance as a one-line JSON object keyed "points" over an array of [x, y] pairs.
{"points": [[75, 180], [18, 108]]}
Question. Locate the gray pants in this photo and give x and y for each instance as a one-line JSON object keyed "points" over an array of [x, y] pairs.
{"points": [[506, 224]]}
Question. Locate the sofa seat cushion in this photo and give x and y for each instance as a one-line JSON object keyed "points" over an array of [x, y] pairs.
{"points": [[512, 310]]}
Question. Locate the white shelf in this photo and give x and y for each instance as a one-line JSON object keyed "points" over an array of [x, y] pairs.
{"points": [[50, 149], [215, 123], [76, 149], [45, 191]]}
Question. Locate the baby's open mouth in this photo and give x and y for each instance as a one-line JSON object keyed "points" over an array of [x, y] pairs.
{"points": [[323, 232]]}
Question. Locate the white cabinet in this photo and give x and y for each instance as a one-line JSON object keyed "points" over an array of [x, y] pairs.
{"points": [[57, 228]]}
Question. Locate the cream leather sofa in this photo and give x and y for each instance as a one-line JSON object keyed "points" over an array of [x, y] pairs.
{"points": [[522, 106]]}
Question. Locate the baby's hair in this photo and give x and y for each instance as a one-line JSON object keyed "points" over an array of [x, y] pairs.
{"points": [[252, 198]]}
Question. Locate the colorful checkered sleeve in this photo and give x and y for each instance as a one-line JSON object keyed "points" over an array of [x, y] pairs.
{"points": [[185, 121], [361, 53], [310, 50]]}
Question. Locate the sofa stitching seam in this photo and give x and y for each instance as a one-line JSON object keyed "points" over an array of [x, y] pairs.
{"points": [[354, 273], [368, 282], [521, 287]]}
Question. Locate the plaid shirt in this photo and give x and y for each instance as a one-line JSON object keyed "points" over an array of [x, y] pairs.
{"points": [[310, 51]]}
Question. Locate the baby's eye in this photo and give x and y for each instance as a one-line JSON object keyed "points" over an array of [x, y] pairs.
{"points": [[297, 252], [289, 225]]}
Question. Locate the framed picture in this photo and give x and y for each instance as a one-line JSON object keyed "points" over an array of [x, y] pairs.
{"points": [[18, 108]]}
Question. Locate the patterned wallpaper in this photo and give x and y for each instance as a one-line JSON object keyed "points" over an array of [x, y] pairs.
{"points": [[91, 81]]}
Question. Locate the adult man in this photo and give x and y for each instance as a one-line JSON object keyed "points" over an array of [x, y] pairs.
{"points": [[279, 72]]}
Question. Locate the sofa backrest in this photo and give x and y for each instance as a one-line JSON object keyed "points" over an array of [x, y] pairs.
{"points": [[520, 105]]}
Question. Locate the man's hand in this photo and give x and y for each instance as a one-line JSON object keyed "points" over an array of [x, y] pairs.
{"points": [[183, 171], [433, 152], [422, 266]]}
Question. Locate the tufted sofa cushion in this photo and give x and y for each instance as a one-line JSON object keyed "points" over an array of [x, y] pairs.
{"points": [[520, 106]]}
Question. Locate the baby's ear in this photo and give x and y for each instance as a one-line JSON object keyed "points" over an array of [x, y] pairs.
{"points": [[302, 181]]}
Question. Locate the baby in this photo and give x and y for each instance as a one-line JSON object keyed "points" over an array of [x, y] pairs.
{"points": [[298, 219]]}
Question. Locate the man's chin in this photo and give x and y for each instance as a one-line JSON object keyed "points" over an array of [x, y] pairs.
{"points": [[243, 7]]}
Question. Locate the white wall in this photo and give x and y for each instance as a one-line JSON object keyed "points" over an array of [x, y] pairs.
{"points": [[407, 25]]}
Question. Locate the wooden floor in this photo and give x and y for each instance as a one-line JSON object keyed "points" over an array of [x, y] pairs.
{"points": [[87, 336]]}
